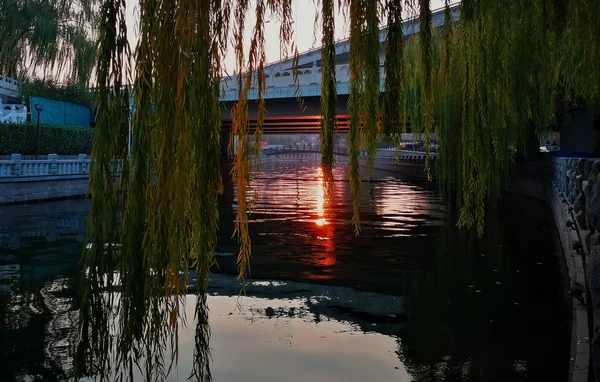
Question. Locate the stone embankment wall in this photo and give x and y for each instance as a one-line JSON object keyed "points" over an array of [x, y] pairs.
{"points": [[44, 177], [571, 187], [411, 166], [577, 184], [38, 188]]}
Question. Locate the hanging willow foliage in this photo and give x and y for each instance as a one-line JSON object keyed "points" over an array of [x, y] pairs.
{"points": [[394, 97], [53, 38], [328, 87], [355, 105], [100, 257], [372, 48], [448, 135], [160, 217], [425, 67]]}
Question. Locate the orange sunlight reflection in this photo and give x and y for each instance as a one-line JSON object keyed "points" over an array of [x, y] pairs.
{"points": [[321, 221], [327, 258]]}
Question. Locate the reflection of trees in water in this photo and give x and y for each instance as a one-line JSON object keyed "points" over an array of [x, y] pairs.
{"points": [[475, 317], [36, 330]]}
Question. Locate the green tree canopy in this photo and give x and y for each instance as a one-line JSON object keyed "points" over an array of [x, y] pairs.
{"points": [[55, 38], [67, 92]]}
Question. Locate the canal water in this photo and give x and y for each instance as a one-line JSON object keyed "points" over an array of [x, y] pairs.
{"points": [[410, 299]]}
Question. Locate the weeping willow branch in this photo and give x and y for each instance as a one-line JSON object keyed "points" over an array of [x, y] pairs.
{"points": [[100, 258], [162, 217], [425, 63], [328, 87], [48, 38], [254, 73], [239, 117], [394, 98], [372, 48], [355, 106]]}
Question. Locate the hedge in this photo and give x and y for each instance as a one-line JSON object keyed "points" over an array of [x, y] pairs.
{"points": [[63, 140]]}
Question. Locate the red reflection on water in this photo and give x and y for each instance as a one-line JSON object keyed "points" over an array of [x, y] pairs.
{"points": [[320, 221], [327, 257]]}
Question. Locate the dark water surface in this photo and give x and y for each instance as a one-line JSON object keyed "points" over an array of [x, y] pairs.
{"points": [[410, 299]]}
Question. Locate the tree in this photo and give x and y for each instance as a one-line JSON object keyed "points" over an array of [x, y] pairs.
{"points": [[69, 92], [48, 38]]}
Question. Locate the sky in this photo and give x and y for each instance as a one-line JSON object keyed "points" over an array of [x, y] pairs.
{"points": [[304, 12]]}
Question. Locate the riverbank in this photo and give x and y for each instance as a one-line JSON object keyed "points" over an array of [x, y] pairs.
{"points": [[25, 179], [572, 200]]}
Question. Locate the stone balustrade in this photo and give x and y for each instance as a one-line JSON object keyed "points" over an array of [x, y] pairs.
{"points": [[19, 165], [26, 178]]}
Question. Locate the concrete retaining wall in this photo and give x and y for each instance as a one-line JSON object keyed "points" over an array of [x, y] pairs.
{"points": [[36, 188], [577, 181], [408, 167], [571, 186]]}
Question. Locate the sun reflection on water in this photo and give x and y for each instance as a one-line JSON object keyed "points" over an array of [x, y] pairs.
{"points": [[321, 220]]}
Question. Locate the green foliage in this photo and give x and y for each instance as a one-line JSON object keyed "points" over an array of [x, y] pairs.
{"points": [[506, 69], [70, 92], [53, 38], [161, 212], [394, 97], [328, 87], [426, 69], [356, 103], [16, 138], [372, 47]]}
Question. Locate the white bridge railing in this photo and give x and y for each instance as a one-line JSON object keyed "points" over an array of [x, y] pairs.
{"points": [[17, 165], [280, 84]]}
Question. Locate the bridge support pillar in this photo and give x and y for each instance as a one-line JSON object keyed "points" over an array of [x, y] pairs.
{"points": [[226, 164], [225, 134]]}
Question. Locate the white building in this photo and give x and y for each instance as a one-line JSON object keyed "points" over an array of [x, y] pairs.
{"points": [[10, 110]]}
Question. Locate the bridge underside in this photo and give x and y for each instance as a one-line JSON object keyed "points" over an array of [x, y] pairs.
{"points": [[287, 107], [304, 124], [289, 116]]}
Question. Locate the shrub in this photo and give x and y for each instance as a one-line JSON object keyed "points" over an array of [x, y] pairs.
{"points": [[63, 140]]}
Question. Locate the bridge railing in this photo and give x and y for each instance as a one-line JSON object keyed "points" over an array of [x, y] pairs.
{"points": [[282, 149], [17, 165], [402, 156], [280, 84]]}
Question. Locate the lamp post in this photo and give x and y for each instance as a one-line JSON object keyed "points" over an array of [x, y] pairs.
{"points": [[39, 109]]}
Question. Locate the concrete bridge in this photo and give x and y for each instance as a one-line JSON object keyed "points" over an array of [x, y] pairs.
{"points": [[281, 93], [279, 75]]}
